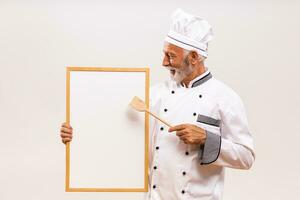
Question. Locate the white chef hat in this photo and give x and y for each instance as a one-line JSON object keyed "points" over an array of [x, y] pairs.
{"points": [[189, 32]]}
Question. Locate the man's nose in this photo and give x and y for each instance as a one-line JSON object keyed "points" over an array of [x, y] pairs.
{"points": [[166, 61]]}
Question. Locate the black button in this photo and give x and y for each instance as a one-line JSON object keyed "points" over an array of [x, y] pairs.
{"points": [[187, 153], [154, 186], [165, 110], [200, 96], [173, 92], [154, 167], [157, 147], [161, 128], [194, 114], [183, 173], [182, 191]]}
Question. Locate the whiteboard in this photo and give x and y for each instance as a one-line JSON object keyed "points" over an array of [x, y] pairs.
{"points": [[109, 150]]}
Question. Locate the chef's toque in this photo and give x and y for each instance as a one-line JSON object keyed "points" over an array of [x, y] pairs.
{"points": [[189, 32]]}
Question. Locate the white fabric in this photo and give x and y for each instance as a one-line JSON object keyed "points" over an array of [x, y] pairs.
{"points": [[189, 32], [201, 182]]}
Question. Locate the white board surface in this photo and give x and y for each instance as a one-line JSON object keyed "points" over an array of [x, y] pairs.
{"points": [[108, 150]]}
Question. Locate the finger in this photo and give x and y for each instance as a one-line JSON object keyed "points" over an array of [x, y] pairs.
{"points": [[184, 140], [65, 140], [177, 128], [66, 135], [66, 125], [181, 133], [66, 130], [185, 137]]}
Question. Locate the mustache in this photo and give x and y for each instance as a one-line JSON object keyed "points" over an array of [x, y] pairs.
{"points": [[172, 68]]}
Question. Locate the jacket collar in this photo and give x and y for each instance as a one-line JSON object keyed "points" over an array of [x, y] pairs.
{"points": [[199, 79]]}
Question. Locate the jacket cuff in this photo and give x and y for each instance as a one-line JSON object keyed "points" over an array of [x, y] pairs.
{"points": [[210, 151]]}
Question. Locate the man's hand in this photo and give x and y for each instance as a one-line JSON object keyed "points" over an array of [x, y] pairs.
{"points": [[66, 133], [189, 133]]}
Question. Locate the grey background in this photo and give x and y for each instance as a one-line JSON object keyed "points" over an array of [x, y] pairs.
{"points": [[255, 51]]}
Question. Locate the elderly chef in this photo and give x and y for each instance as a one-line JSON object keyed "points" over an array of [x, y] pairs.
{"points": [[210, 132]]}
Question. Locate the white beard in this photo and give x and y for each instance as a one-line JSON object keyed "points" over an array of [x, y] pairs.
{"points": [[180, 74]]}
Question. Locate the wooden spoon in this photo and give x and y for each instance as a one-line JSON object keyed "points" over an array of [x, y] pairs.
{"points": [[140, 106]]}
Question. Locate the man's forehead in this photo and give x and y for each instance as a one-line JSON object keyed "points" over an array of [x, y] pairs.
{"points": [[171, 48]]}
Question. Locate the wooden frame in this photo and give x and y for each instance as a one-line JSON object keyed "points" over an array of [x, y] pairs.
{"points": [[68, 187]]}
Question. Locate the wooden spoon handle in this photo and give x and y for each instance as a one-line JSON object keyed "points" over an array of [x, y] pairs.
{"points": [[163, 121]]}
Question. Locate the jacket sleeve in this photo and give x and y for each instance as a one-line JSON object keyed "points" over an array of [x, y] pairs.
{"points": [[234, 146]]}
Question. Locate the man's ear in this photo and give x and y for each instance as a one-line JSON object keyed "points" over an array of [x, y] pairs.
{"points": [[194, 57]]}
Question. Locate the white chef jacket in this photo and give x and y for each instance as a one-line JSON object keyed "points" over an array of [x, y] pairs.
{"points": [[178, 171]]}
